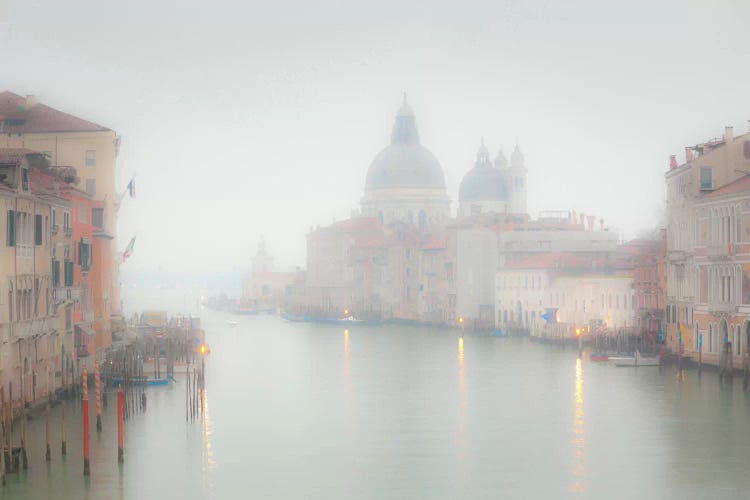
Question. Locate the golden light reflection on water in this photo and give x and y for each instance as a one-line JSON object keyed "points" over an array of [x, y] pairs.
{"points": [[347, 354], [578, 441], [208, 463], [461, 435]]}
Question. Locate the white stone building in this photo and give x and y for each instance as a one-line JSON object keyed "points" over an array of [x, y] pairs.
{"points": [[572, 290]]}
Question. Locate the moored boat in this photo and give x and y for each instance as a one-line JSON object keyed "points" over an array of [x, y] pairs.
{"points": [[349, 319], [636, 360], [599, 357]]}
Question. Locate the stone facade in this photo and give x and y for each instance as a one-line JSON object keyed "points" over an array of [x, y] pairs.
{"points": [[705, 237]]}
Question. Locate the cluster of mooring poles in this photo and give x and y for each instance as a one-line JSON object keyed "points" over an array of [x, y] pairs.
{"points": [[122, 368], [195, 395], [14, 458]]}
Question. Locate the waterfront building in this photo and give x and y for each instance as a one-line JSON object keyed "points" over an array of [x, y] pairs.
{"points": [[89, 148], [705, 240], [476, 263], [646, 257], [722, 271], [263, 286], [554, 294], [32, 311]]}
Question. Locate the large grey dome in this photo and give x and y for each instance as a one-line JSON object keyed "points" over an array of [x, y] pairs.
{"points": [[405, 162], [483, 182]]}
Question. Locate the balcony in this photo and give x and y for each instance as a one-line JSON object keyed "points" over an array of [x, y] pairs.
{"points": [[676, 255], [722, 308], [27, 328], [55, 228], [67, 293], [719, 252], [68, 231]]}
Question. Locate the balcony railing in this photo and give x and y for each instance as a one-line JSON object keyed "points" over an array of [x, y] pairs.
{"points": [[722, 251], [72, 293], [68, 231], [722, 307], [55, 228], [27, 328]]}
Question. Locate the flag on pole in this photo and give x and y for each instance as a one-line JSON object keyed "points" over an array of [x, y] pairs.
{"points": [[131, 187], [129, 250]]}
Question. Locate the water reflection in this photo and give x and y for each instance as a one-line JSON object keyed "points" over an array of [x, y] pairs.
{"points": [[207, 455], [578, 441], [461, 439], [347, 374]]}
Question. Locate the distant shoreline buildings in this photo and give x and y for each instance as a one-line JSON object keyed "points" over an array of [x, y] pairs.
{"points": [[404, 257]]}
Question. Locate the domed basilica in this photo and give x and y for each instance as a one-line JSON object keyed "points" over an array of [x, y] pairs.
{"points": [[405, 182]]}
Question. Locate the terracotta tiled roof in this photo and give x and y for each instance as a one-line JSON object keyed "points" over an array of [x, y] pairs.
{"points": [[18, 117], [435, 241], [737, 186]]}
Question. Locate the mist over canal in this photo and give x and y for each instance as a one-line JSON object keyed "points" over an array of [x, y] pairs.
{"points": [[300, 410]]}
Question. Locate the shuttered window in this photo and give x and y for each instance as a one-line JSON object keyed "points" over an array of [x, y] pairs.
{"points": [[55, 273], [68, 272], [37, 229], [10, 239]]}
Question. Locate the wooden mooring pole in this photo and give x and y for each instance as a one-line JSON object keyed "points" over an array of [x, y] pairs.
{"points": [[85, 406], [5, 430], [120, 440], [98, 397]]}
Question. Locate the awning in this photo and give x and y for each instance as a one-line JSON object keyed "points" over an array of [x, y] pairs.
{"points": [[85, 328]]}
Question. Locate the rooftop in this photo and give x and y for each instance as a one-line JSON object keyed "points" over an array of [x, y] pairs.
{"points": [[22, 115]]}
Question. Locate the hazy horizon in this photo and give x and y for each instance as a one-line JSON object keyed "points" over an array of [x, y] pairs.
{"points": [[244, 120]]}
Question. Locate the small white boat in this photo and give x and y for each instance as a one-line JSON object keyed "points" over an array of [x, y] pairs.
{"points": [[350, 319], [232, 322], [637, 360]]}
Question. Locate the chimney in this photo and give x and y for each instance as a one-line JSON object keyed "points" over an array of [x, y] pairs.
{"points": [[728, 134], [30, 101], [591, 220], [688, 155], [573, 219], [601, 224], [582, 219], [672, 162]]}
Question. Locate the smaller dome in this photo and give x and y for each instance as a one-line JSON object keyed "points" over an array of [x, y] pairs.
{"points": [[483, 182]]}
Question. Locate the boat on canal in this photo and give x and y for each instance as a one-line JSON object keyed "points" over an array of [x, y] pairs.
{"points": [[117, 380], [636, 360]]}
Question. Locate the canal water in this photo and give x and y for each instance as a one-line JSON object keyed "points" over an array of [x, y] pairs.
{"points": [[318, 411]]}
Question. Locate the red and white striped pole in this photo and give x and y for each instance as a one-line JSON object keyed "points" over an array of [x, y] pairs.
{"points": [[86, 463], [120, 450], [98, 397]]}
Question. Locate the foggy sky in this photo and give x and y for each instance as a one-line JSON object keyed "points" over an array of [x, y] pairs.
{"points": [[244, 119]]}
